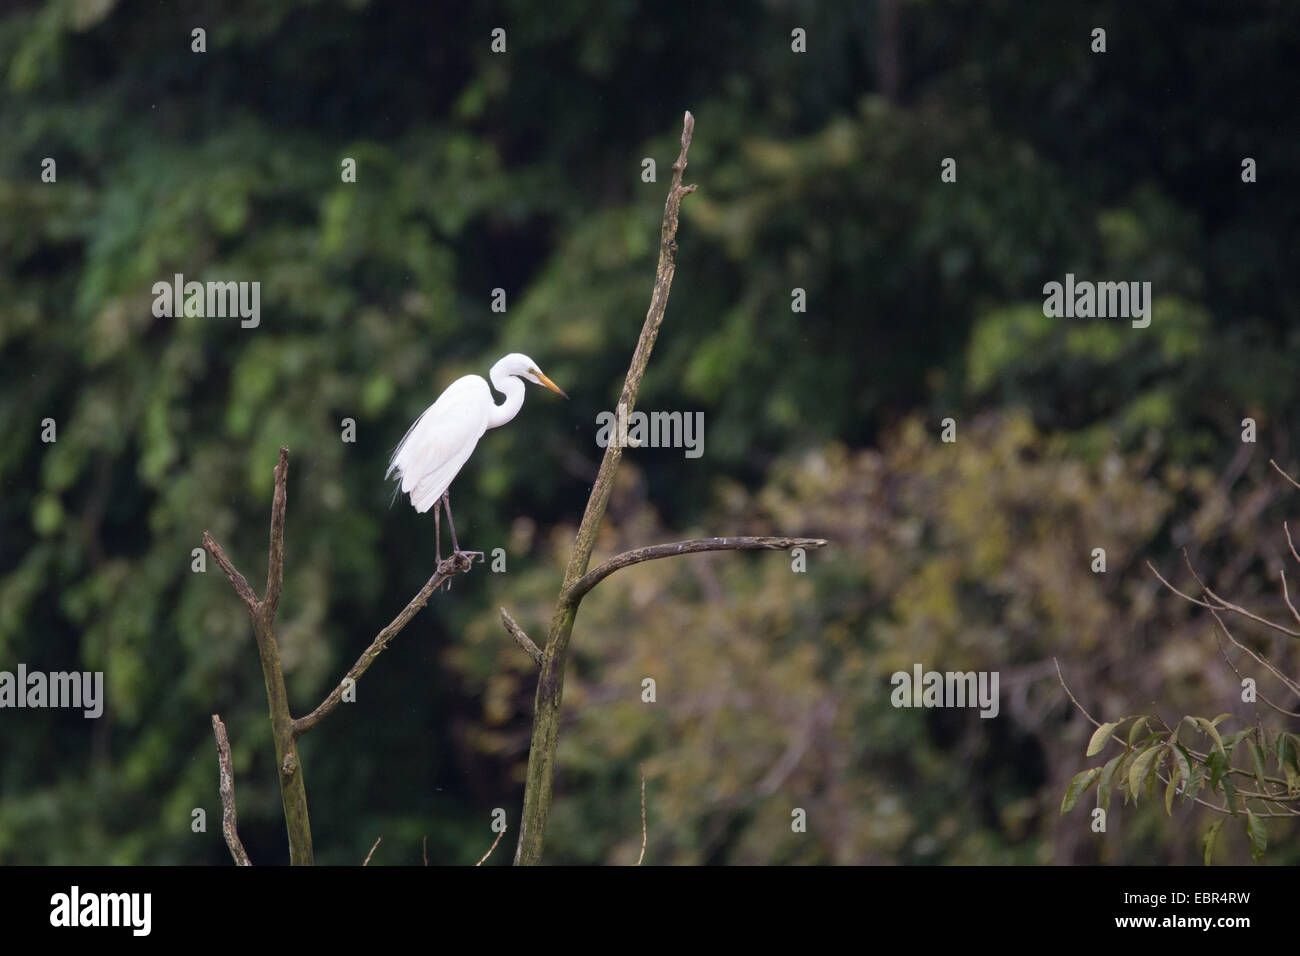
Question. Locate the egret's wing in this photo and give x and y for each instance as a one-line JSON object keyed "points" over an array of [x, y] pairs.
{"points": [[441, 440]]}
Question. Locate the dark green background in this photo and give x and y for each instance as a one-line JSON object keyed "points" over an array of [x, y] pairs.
{"points": [[522, 171]]}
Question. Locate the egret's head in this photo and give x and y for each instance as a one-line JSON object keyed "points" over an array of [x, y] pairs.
{"points": [[516, 363]]}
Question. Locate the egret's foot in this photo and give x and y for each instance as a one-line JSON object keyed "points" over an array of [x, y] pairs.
{"points": [[471, 555]]}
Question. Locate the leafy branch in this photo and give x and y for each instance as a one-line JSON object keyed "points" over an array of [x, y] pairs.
{"points": [[1234, 767]]}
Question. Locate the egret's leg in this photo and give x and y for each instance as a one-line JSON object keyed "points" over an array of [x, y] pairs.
{"points": [[437, 534], [446, 500]]}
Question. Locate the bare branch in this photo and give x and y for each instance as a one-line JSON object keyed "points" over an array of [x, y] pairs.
{"points": [[643, 826], [1185, 597], [229, 821], [550, 682], [241, 585], [293, 793], [1289, 543], [575, 592], [1283, 473], [1092, 720], [1219, 603], [449, 568], [522, 639], [1262, 662], [1238, 609], [372, 851], [1223, 652], [492, 847], [275, 560], [1286, 596]]}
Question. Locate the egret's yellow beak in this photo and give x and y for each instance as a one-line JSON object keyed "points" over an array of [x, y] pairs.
{"points": [[549, 384]]}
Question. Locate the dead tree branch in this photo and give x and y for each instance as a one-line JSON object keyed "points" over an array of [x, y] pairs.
{"points": [[577, 581], [449, 568], [229, 820], [579, 588], [522, 639], [492, 847], [261, 612]]}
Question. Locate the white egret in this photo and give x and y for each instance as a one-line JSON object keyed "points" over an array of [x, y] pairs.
{"points": [[437, 446]]}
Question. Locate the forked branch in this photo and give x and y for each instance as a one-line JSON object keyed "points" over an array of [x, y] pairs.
{"points": [[578, 581], [261, 612]]}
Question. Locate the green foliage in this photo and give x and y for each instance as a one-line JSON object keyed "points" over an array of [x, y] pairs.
{"points": [[1185, 768]]}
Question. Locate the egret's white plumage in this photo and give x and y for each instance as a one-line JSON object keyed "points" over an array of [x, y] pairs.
{"points": [[437, 446], [441, 441]]}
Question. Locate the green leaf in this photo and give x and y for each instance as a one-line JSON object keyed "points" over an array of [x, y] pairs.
{"points": [[1232, 740], [1078, 786], [1207, 841], [1292, 751], [1218, 766], [1099, 737], [1133, 731], [1170, 787], [1290, 766], [1257, 753], [1182, 764], [1258, 834], [1144, 764], [1229, 793], [1107, 778], [1194, 787], [1208, 728]]}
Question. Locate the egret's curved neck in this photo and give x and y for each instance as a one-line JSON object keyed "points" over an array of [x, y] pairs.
{"points": [[513, 389]]}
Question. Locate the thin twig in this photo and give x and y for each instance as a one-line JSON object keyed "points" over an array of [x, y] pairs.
{"points": [[1283, 473], [372, 851], [424, 849], [449, 568], [1223, 651], [589, 580], [1236, 608], [1286, 596], [492, 847], [229, 821], [240, 583], [1289, 543], [522, 639], [1185, 597], [1287, 682], [643, 826]]}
